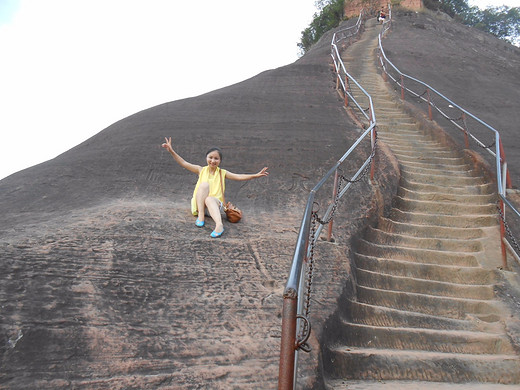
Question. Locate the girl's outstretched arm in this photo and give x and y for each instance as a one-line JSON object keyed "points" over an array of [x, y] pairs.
{"points": [[183, 163], [245, 176]]}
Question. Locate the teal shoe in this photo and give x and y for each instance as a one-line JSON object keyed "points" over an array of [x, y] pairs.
{"points": [[214, 234], [199, 223]]}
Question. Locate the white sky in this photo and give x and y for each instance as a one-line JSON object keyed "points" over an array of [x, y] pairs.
{"points": [[70, 68], [494, 3]]}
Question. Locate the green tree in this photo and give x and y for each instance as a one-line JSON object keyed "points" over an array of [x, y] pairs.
{"points": [[329, 16], [503, 22]]}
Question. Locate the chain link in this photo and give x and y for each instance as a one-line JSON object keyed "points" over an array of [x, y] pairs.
{"points": [[508, 230], [464, 127]]}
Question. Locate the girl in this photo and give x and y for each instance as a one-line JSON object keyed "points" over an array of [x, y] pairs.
{"points": [[209, 190]]}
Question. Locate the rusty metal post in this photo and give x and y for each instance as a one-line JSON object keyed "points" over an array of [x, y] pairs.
{"points": [[337, 81], [346, 88], [402, 87], [430, 115], [373, 162], [466, 138], [503, 160], [334, 194], [373, 135], [288, 341], [503, 235]]}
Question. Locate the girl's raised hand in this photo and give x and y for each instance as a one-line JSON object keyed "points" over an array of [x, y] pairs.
{"points": [[263, 172], [168, 143]]}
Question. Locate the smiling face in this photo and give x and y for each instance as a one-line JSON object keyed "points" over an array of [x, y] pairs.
{"points": [[213, 159]]}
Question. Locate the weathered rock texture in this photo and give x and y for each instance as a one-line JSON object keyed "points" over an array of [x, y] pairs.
{"points": [[106, 283]]}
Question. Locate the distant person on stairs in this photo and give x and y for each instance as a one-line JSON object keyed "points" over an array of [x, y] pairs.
{"points": [[382, 16], [210, 188]]}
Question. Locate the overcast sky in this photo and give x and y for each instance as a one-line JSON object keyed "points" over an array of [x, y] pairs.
{"points": [[71, 68]]}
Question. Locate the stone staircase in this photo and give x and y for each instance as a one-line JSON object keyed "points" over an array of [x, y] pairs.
{"points": [[425, 313]]}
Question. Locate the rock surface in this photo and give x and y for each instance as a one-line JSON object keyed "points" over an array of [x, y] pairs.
{"points": [[106, 282]]}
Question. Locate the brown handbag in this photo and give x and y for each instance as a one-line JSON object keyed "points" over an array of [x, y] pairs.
{"points": [[233, 213]]}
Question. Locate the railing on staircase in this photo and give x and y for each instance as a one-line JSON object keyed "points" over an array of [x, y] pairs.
{"points": [[469, 126], [295, 322]]}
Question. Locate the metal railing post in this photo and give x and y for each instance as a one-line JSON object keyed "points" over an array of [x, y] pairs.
{"points": [[503, 160], [503, 235], [346, 88], [466, 138], [402, 87], [373, 135], [430, 115], [373, 162], [288, 341]]}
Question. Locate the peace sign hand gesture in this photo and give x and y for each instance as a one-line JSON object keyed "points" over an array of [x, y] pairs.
{"points": [[168, 144]]}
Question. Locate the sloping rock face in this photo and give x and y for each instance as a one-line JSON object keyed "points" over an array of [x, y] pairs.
{"points": [[106, 283]]}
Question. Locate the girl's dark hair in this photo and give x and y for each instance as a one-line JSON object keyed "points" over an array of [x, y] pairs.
{"points": [[215, 149]]}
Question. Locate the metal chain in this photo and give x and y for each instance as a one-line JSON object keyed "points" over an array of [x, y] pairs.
{"points": [[367, 168], [424, 93], [465, 127], [334, 205], [305, 325], [508, 230], [469, 133]]}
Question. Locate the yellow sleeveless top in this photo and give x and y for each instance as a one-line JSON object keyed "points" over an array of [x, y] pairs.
{"points": [[215, 189]]}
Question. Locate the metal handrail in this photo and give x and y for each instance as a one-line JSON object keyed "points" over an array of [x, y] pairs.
{"points": [[293, 298], [348, 32], [502, 173]]}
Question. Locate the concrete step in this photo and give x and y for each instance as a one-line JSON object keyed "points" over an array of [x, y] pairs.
{"points": [[388, 364], [391, 226], [446, 197], [445, 208], [482, 188], [410, 143], [379, 280], [414, 158], [457, 221], [463, 170], [432, 152], [440, 179], [413, 269], [362, 313], [457, 308], [342, 384], [436, 166], [394, 129], [405, 241], [419, 255], [420, 339]]}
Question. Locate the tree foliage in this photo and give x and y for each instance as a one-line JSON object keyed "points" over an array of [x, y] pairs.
{"points": [[503, 22], [329, 15]]}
